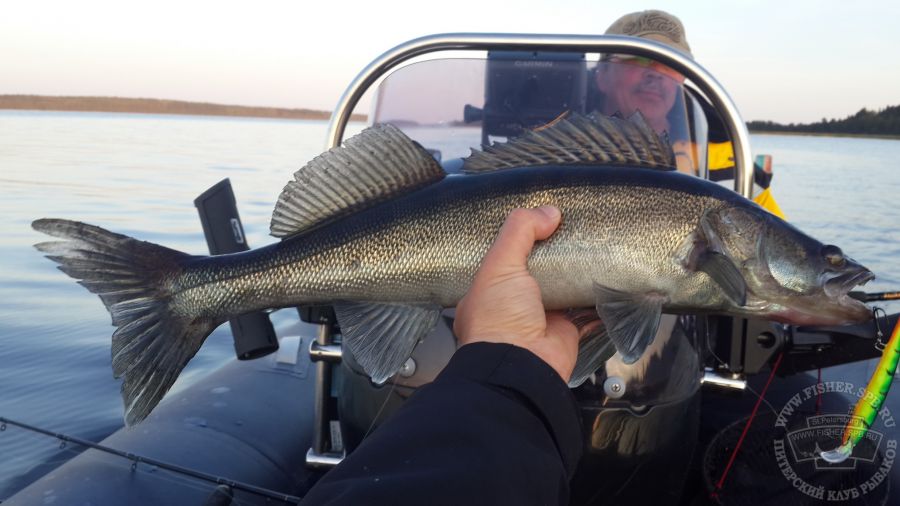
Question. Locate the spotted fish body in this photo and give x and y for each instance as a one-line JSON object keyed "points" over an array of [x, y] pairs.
{"points": [[376, 229]]}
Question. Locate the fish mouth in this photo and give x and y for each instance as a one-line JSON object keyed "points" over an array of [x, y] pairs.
{"points": [[849, 309], [837, 307], [841, 285]]}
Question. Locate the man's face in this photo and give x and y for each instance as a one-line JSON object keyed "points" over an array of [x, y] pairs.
{"points": [[631, 85]]}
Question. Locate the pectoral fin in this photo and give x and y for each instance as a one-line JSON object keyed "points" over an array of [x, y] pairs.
{"points": [[382, 336], [723, 271], [699, 252], [631, 319]]}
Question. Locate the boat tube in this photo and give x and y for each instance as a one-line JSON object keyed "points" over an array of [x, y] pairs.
{"points": [[247, 425]]}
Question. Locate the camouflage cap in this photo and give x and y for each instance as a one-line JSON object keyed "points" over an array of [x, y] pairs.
{"points": [[654, 25]]}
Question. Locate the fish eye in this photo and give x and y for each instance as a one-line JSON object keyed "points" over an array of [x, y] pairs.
{"points": [[834, 256]]}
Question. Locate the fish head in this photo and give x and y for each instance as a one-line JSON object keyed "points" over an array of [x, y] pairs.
{"points": [[814, 278], [791, 277]]}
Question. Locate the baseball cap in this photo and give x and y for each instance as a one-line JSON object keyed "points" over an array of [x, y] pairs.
{"points": [[654, 25]]}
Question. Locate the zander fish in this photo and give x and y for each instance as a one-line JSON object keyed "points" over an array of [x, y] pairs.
{"points": [[378, 230]]}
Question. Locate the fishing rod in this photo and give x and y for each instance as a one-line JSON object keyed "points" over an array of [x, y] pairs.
{"points": [[138, 459], [873, 297]]}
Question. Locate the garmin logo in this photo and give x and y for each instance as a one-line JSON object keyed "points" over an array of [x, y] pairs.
{"points": [[532, 64]]}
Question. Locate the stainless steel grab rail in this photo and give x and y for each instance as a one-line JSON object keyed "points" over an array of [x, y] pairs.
{"points": [[701, 78]]}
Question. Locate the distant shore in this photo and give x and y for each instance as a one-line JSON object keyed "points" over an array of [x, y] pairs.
{"points": [[829, 134], [156, 106]]}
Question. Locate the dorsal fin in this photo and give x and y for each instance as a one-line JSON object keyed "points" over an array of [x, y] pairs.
{"points": [[579, 139], [371, 167]]}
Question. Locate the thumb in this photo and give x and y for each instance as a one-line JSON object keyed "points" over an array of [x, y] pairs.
{"points": [[517, 236]]}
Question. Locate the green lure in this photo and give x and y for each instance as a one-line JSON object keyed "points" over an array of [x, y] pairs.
{"points": [[870, 404]]}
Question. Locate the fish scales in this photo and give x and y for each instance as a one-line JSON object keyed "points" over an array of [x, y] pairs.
{"points": [[619, 227]]}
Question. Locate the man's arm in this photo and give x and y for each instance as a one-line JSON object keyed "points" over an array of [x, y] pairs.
{"points": [[498, 425]]}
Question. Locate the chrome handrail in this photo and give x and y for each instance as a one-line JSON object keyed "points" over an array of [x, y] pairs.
{"points": [[704, 81]]}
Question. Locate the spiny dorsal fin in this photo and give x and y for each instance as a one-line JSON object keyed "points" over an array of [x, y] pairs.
{"points": [[374, 166], [578, 139]]}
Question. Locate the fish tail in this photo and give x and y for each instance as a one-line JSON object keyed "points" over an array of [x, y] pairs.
{"points": [[134, 279]]}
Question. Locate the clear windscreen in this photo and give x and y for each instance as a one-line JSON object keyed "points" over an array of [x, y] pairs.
{"points": [[454, 105]]}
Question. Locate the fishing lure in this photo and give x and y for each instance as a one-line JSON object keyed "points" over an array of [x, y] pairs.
{"points": [[870, 403]]}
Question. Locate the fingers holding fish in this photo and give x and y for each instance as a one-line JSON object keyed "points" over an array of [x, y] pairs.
{"points": [[504, 303]]}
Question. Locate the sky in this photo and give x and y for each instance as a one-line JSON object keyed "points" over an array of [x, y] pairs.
{"points": [[787, 61]]}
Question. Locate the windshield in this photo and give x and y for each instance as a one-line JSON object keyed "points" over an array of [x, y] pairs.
{"points": [[454, 105]]}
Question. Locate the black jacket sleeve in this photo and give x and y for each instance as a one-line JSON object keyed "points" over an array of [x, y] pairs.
{"points": [[497, 426]]}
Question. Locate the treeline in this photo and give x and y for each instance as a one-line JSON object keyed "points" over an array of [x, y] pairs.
{"points": [[865, 122], [155, 106]]}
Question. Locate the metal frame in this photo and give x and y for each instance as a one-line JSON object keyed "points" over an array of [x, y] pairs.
{"points": [[318, 456], [703, 80]]}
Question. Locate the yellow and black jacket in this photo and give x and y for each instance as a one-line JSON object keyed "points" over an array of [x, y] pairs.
{"points": [[720, 160]]}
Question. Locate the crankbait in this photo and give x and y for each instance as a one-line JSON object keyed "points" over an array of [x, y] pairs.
{"points": [[870, 403]]}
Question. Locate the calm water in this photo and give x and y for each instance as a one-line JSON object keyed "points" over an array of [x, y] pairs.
{"points": [[139, 174]]}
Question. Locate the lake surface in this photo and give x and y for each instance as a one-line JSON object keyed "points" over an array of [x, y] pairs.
{"points": [[139, 174]]}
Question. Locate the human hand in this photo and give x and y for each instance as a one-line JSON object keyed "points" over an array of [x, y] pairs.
{"points": [[504, 305]]}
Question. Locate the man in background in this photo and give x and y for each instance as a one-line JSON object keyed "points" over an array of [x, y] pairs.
{"points": [[628, 84]]}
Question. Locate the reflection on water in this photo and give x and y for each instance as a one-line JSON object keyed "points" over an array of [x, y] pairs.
{"points": [[139, 174]]}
